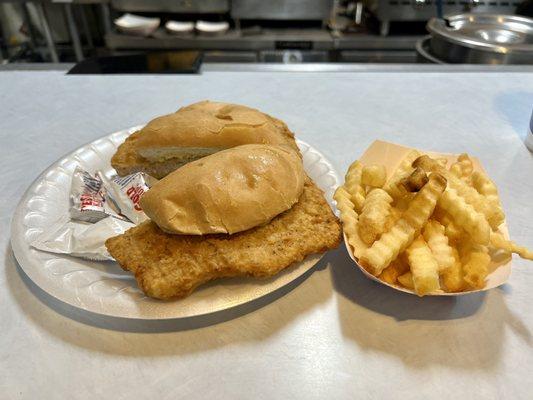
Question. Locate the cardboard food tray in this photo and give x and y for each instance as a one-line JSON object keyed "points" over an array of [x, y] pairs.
{"points": [[390, 155]]}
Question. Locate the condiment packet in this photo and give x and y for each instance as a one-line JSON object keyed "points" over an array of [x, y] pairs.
{"points": [[88, 200], [98, 210], [126, 192], [81, 239]]}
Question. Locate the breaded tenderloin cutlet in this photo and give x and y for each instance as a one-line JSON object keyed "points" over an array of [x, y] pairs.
{"points": [[171, 266]]}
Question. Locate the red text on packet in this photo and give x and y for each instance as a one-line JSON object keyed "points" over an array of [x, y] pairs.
{"points": [[88, 200], [135, 193]]}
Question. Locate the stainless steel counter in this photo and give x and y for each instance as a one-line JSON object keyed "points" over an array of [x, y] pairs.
{"points": [[335, 334]]}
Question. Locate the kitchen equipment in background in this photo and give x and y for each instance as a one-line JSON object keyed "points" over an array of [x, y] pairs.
{"points": [[482, 39], [388, 11], [137, 25], [179, 27], [281, 9], [289, 31], [212, 28], [423, 52], [162, 62], [174, 6]]}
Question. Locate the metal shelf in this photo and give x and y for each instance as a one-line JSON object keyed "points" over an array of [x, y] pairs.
{"points": [[267, 40]]}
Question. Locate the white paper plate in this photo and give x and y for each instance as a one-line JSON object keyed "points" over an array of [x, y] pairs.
{"points": [[103, 287]]}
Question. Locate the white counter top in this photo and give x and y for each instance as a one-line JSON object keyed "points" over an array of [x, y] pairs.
{"points": [[336, 334]]}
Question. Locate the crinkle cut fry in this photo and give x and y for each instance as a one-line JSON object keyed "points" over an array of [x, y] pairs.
{"points": [[393, 186], [463, 167], [373, 218], [391, 243], [424, 267], [497, 240], [349, 220], [493, 215], [475, 262], [487, 188], [434, 235], [353, 185], [465, 216]]}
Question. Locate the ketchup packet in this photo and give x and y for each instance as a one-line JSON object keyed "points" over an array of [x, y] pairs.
{"points": [[88, 197], [99, 209], [126, 192]]}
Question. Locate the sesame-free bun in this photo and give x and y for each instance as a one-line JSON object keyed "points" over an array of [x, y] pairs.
{"points": [[196, 131], [227, 192]]}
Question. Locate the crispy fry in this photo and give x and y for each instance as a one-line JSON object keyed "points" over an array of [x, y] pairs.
{"points": [[423, 204], [487, 188], [390, 244], [415, 181], [393, 242], [406, 280], [463, 167], [451, 229], [394, 270], [393, 187], [469, 194], [496, 218], [438, 243], [353, 185], [465, 216], [424, 267], [427, 163], [467, 167], [442, 161], [498, 241], [374, 176], [349, 220], [452, 278], [472, 197], [475, 260], [394, 216], [402, 203], [374, 216]]}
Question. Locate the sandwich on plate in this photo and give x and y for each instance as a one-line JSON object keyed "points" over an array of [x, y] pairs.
{"points": [[168, 142], [244, 207]]}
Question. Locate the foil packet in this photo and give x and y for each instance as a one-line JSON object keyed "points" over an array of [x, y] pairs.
{"points": [[88, 198], [126, 192], [81, 239], [100, 208]]}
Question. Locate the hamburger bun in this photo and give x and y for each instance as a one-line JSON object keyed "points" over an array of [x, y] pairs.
{"points": [[227, 192], [196, 131]]}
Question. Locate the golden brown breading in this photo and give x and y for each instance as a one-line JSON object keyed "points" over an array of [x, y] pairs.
{"points": [[169, 266]]}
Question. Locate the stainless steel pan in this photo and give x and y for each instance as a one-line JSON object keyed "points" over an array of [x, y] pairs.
{"points": [[482, 39]]}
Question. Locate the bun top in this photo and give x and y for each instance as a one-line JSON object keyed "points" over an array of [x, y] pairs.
{"points": [[213, 124], [227, 192]]}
